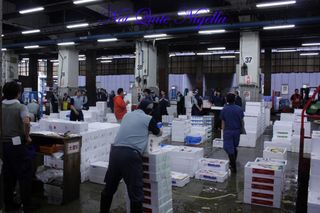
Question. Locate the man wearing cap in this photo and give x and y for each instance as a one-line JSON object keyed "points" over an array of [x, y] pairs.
{"points": [[125, 160], [232, 123]]}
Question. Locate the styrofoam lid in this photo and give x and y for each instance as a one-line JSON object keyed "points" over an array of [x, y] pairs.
{"points": [[100, 164]]}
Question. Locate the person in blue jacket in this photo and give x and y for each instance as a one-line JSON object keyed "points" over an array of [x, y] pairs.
{"points": [[232, 123]]}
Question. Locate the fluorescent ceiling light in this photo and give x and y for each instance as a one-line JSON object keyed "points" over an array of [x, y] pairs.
{"points": [[82, 59], [104, 58], [216, 48], [155, 36], [308, 54], [205, 53], [208, 32], [4, 49], [31, 10], [227, 56], [134, 18], [123, 56], [25, 59], [30, 31], [279, 27], [81, 56], [56, 64], [311, 44], [2, 35], [54, 61], [31, 47], [107, 39], [275, 4], [84, 1], [286, 50], [193, 12], [185, 54], [66, 43], [107, 61], [77, 25]]}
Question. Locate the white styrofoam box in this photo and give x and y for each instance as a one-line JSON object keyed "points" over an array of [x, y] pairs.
{"points": [[282, 126], [313, 201], [179, 179], [272, 161], [267, 116], [157, 176], [217, 143], [157, 201], [154, 158], [251, 121], [211, 175], [265, 183], [277, 142], [51, 161], [315, 134], [62, 126], [261, 198], [98, 171], [247, 141], [315, 145], [154, 143], [159, 188], [315, 164], [214, 164], [54, 115], [167, 119], [287, 117], [102, 106], [111, 118], [164, 208], [264, 170], [186, 152], [275, 152], [314, 182], [65, 115], [34, 127], [297, 128]]}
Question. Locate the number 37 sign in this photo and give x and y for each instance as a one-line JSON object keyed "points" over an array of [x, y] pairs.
{"points": [[248, 60]]}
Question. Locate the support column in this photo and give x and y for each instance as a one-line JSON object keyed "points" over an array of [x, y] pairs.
{"points": [[91, 72], [68, 72], [49, 73], [9, 66], [267, 72], [163, 67], [33, 72], [199, 74], [145, 69], [249, 73]]}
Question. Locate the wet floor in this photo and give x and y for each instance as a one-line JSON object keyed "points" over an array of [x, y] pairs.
{"points": [[199, 196]]}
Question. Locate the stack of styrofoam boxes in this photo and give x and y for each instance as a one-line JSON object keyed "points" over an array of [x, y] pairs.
{"points": [[128, 98], [64, 115], [98, 171], [264, 183], [179, 179], [267, 116], [282, 135], [254, 124], [275, 153], [183, 158], [102, 108], [215, 170], [180, 129], [111, 118], [54, 116], [167, 124], [96, 145], [157, 186], [314, 195], [63, 126]]}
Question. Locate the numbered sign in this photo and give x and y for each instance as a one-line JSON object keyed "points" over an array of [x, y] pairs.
{"points": [[248, 60], [73, 147]]}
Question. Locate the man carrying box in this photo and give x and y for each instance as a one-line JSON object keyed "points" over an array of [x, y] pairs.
{"points": [[125, 160]]}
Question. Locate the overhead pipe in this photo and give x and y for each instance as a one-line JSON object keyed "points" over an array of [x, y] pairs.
{"points": [[188, 29]]}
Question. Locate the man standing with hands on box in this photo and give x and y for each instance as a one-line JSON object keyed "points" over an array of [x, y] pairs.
{"points": [[17, 162], [126, 157], [232, 126]]}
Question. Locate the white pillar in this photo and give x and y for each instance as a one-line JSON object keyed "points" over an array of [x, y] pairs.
{"points": [[249, 82], [68, 72], [145, 68], [9, 66]]}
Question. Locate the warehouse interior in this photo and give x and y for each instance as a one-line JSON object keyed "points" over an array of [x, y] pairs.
{"points": [[186, 50]]}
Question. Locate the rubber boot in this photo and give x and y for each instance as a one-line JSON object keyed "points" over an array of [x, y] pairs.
{"points": [[236, 153], [136, 207], [233, 166], [105, 203]]}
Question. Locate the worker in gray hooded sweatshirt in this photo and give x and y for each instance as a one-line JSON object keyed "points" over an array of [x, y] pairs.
{"points": [[126, 157]]}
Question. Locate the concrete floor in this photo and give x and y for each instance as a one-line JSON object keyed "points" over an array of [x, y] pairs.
{"points": [[198, 196]]}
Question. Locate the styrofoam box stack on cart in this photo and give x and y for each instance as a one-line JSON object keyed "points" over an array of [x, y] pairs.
{"points": [[314, 195], [264, 183], [157, 186], [275, 153], [183, 158], [254, 122], [96, 145], [98, 171], [179, 179], [180, 129], [215, 170]]}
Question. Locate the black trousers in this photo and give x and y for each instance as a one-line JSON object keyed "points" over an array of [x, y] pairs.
{"points": [[124, 163], [17, 167], [74, 117]]}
